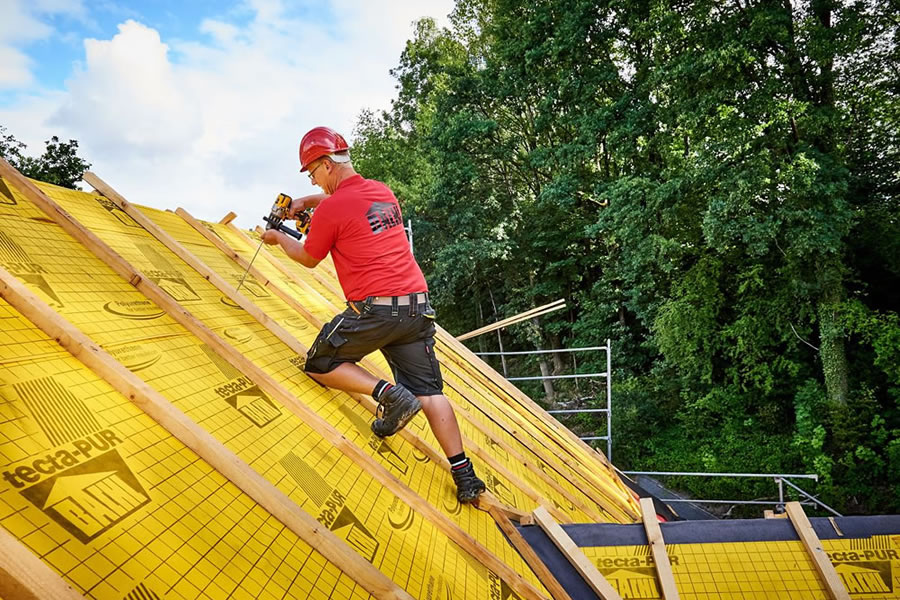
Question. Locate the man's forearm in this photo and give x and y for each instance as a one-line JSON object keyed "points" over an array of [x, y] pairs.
{"points": [[295, 251]]}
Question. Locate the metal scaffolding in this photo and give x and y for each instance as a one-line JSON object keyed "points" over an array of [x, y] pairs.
{"points": [[607, 375]]}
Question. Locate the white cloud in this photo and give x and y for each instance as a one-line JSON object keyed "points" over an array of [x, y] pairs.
{"points": [[213, 126], [22, 25]]}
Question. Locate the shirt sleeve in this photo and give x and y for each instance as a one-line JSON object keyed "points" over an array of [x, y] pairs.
{"points": [[322, 233]]}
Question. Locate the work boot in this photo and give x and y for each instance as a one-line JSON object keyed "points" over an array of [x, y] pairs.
{"points": [[397, 406], [468, 486]]}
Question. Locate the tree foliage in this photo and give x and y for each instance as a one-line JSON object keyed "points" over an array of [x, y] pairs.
{"points": [[712, 185], [59, 164]]}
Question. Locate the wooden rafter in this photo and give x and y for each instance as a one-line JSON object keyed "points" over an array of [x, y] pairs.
{"points": [[23, 576], [566, 446], [575, 556], [534, 561], [830, 578], [658, 550], [528, 314]]}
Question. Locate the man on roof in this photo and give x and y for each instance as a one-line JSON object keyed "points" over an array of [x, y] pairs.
{"points": [[359, 222]]}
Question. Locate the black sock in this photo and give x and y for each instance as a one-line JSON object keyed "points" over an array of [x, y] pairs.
{"points": [[459, 461], [380, 388]]}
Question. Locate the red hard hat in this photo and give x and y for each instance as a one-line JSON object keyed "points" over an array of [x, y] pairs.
{"points": [[319, 142]]}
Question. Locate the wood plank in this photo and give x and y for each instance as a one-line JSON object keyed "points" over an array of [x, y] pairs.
{"points": [[528, 465], [658, 549], [197, 439], [546, 576], [616, 500], [23, 576], [491, 376], [323, 281], [831, 580], [487, 501], [245, 265], [266, 382], [575, 556], [280, 267], [574, 449], [231, 216], [198, 265], [555, 305]]}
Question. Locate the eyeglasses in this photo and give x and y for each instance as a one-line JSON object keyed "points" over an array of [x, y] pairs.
{"points": [[312, 172]]}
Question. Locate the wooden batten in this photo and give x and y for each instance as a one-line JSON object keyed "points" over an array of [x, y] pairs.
{"points": [[488, 502], [557, 591], [658, 550], [323, 281], [198, 265], [830, 579], [231, 216], [603, 497], [528, 314], [531, 467], [543, 418], [575, 556], [197, 439], [266, 382], [280, 266], [23, 576], [249, 268], [567, 446]]}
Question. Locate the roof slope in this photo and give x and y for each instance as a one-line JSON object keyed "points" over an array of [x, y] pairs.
{"points": [[186, 455]]}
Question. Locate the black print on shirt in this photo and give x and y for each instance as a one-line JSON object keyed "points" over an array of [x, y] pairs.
{"points": [[383, 216]]}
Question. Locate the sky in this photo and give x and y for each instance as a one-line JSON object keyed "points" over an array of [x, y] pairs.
{"points": [[198, 104]]}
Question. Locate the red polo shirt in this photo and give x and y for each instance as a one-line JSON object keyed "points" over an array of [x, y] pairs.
{"points": [[361, 225]]}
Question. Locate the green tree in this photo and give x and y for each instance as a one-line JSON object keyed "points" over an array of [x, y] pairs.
{"points": [[713, 185], [59, 164]]}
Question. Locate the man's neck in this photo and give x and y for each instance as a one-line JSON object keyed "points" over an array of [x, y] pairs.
{"points": [[345, 172]]}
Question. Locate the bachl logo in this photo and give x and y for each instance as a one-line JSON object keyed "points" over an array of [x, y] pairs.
{"points": [[85, 496]]}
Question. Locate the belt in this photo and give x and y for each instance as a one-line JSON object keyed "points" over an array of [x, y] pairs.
{"points": [[421, 298], [410, 300]]}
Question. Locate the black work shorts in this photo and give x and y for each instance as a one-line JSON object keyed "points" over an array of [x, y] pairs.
{"points": [[407, 343]]}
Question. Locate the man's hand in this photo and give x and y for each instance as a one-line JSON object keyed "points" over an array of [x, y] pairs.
{"points": [[304, 202], [271, 236]]}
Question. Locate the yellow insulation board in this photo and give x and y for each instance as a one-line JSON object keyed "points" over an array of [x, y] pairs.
{"points": [[782, 570], [119, 507], [223, 401]]}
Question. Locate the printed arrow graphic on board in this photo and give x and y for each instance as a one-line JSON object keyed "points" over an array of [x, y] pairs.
{"points": [[65, 487]]}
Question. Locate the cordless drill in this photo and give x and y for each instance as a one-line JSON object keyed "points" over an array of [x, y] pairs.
{"points": [[276, 217], [275, 220]]}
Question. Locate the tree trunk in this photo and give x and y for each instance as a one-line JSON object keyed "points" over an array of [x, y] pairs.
{"points": [[559, 364], [548, 384], [831, 348], [499, 339], [545, 366]]}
